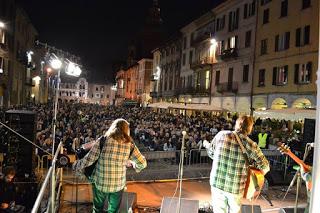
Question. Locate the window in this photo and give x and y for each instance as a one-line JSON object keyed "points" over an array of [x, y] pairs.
{"points": [[302, 73], [1, 65], [217, 77], [248, 39], [233, 42], [97, 95], [220, 23], [2, 36], [207, 83], [102, 88], [262, 73], [107, 96], [220, 47], [249, 10], [97, 89], [184, 43], [191, 38], [280, 75], [263, 2], [302, 36], [284, 8], [282, 42], [184, 59], [306, 4], [245, 74], [101, 96], [190, 56], [233, 20], [264, 47], [265, 16]]}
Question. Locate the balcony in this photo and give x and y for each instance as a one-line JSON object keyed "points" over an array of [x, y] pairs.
{"points": [[194, 91], [228, 87], [200, 39], [227, 54], [202, 62]]}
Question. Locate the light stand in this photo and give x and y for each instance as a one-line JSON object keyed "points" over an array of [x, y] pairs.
{"points": [[181, 170]]}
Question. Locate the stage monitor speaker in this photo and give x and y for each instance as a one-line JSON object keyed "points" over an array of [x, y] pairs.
{"points": [[129, 200], [170, 205], [250, 209], [309, 130], [291, 210], [20, 153]]}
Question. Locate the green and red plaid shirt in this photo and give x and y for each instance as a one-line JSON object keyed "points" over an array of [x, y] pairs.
{"points": [[229, 170], [109, 174]]}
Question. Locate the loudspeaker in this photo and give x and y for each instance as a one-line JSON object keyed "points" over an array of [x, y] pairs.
{"points": [[20, 153], [250, 209], [170, 204], [129, 200], [291, 210], [309, 130]]}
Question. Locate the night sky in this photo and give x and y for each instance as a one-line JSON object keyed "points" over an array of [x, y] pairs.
{"points": [[99, 31]]}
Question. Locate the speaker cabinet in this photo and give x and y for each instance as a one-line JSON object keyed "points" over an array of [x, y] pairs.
{"points": [[19, 152], [250, 209], [291, 210], [170, 204]]}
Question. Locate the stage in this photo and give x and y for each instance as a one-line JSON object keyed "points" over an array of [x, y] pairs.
{"points": [[149, 196]]}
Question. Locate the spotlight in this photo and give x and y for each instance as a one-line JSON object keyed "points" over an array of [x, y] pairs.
{"points": [[56, 63]]}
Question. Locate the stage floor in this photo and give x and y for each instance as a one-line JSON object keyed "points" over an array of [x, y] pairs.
{"points": [[150, 195]]}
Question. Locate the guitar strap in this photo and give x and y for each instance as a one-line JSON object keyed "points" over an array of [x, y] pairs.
{"points": [[242, 148]]}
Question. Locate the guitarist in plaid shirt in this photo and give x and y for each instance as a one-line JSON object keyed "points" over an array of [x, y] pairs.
{"points": [[229, 171], [109, 176]]}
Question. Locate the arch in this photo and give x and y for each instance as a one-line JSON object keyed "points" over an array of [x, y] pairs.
{"points": [[301, 103], [279, 103]]}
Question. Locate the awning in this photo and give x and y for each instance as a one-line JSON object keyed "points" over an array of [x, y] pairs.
{"points": [[200, 107], [160, 105], [286, 114]]}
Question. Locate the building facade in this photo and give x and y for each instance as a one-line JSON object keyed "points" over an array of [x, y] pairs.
{"points": [[155, 77], [74, 89], [234, 31], [143, 84], [100, 94], [169, 70], [286, 54]]}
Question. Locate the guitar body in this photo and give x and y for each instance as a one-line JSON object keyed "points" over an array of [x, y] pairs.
{"points": [[254, 184]]}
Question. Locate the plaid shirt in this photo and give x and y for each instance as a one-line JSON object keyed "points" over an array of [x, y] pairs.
{"points": [[229, 170], [109, 174]]}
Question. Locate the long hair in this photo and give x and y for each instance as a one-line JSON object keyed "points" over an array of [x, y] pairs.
{"points": [[119, 130], [244, 124]]}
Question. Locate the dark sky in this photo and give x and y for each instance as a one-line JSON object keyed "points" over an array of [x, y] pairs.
{"points": [[99, 31]]}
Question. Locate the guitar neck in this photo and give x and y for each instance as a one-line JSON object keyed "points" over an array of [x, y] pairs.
{"points": [[298, 160]]}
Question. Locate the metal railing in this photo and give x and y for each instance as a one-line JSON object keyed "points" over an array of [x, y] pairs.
{"points": [[55, 177]]}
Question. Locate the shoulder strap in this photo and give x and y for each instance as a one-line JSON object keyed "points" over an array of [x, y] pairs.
{"points": [[242, 148], [102, 141]]}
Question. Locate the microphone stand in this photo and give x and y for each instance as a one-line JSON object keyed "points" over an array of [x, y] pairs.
{"points": [[181, 170]]}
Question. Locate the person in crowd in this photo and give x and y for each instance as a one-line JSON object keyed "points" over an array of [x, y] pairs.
{"points": [[7, 192], [229, 171], [109, 176], [263, 138]]}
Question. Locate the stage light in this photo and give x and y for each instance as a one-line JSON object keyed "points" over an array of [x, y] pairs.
{"points": [[73, 69], [77, 71], [32, 95], [56, 63]]}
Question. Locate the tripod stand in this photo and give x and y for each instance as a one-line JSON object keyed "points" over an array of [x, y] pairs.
{"points": [[297, 177]]}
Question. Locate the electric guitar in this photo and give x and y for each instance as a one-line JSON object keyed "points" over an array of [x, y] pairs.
{"points": [[285, 149]]}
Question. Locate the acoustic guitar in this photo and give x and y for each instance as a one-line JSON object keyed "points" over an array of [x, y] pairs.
{"points": [[285, 149]]}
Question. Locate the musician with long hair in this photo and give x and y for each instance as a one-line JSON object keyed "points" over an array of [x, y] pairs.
{"points": [[229, 171], [109, 176]]}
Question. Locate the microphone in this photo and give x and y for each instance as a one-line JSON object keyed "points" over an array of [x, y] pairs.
{"points": [[310, 144]]}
